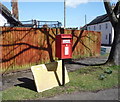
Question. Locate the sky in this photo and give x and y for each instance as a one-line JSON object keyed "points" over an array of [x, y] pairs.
{"points": [[54, 11]]}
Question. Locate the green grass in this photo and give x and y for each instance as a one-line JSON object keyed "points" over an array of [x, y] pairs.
{"points": [[80, 56], [87, 79], [15, 68], [19, 68], [84, 79]]}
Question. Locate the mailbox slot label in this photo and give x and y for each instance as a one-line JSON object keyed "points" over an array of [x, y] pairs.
{"points": [[66, 50], [66, 41]]}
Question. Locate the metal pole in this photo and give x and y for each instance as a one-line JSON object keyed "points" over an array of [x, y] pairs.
{"points": [[64, 13], [63, 72], [86, 21]]}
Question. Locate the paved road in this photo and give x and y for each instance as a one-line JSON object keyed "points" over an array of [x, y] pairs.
{"points": [[109, 94], [86, 61]]}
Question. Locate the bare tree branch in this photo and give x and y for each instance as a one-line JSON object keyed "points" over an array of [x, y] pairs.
{"points": [[111, 14], [115, 10]]}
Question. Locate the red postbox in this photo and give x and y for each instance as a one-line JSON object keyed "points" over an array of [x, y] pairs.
{"points": [[64, 46]]}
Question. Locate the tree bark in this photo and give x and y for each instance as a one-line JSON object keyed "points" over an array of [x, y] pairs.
{"points": [[114, 57]]}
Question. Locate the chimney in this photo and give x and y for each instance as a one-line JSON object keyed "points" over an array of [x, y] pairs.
{"points": [[15, 12]]}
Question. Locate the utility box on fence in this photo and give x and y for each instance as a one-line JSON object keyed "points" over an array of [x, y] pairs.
{"points": [[64, 46]]}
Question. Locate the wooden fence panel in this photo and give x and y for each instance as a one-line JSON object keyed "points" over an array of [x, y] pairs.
{"points": [[21, 46]]}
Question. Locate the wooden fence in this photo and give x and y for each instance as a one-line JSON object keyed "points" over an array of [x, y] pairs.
{"points": [[21, 46]]}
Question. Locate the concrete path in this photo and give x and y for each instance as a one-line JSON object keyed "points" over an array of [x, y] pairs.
{"points": [[109, 94]]}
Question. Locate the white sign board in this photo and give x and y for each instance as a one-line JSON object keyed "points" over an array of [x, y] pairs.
{"points": [[66, 41], [66, 50]]}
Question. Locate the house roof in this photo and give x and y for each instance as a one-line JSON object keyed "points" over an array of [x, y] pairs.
{"points": [[7, 14], [99, 19], [102, 18]]}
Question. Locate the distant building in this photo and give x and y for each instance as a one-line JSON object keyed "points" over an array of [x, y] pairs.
{"points": [[102, 24], [3, 21], [6, 18]]}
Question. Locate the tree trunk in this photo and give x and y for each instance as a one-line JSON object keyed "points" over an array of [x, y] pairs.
{"points": [[114, 57]]}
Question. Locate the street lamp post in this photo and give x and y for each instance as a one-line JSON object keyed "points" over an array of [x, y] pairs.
{"points": [[86, 21], [64, 13]]}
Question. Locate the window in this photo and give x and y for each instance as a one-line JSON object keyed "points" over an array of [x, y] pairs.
{"points": [[110, 38], [99, 27], [89, 28], [94, 28], [106, 37], [106, 26]]}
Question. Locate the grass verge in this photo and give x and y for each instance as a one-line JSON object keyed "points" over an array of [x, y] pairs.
{"points": [[84, 79], [19, 68]]}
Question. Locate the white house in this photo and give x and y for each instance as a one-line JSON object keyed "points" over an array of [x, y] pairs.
{"points": [[6, 18], [103, 25], [3, 21]]}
